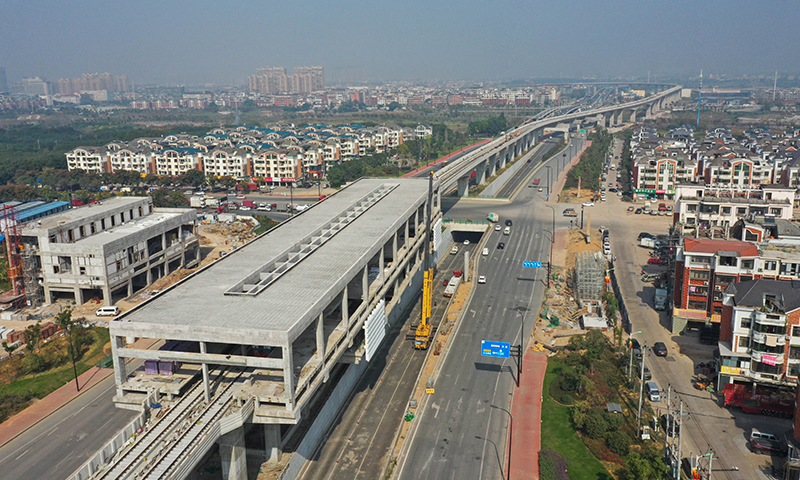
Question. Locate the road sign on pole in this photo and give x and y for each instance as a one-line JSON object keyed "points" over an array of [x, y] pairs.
{"points": [[495, 349], [530, 264]]}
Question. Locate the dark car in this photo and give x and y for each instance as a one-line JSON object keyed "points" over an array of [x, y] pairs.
{"points": [[638, 211], [645, 235], [657, 261], [767, 447], [501, 246], [647, 374], [660, 349], [508, 222]]}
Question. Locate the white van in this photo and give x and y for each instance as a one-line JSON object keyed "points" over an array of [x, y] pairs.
{"points": [[485, 251], [652, 391], [759, 434], [107, 312]]}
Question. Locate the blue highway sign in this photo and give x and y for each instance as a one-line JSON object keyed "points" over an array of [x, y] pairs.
{"points": [[495, 349], [529, 264]]}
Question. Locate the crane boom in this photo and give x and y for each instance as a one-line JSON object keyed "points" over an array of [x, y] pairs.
{"points": [[423, 333]]}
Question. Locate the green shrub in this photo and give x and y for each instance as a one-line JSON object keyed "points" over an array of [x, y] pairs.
{"points": [[618, 442], [595, 424], [567, 399]]}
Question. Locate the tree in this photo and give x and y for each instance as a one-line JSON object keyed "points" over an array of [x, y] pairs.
{"points": [[8, 348], [65, 321], [32, 336], [393, 106]]}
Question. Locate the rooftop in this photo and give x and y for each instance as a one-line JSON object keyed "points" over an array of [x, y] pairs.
{"points": [[707, 245], [243, 297], [751, 292], [75, 214]]}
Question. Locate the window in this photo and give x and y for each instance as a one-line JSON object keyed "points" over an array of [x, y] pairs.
{"points": [[691, 208], [748, 264], [744, 278], [701, 260], [726, 210], [102, 224], [744, 342], [794, 352], [93, 227], [82, 270], [770, 265], [775, 211], [113, 220], [745, 322], [698, 274], [741, 211], [697, 305], [796, 330], [727, 261], [82, 231], [793, 369]]}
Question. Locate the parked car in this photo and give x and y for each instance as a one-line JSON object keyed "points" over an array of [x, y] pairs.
{"points": [[638, 211], [588, 204], [630, 209], [645, 235], [660, 349], [767, 447], [656, 261]]}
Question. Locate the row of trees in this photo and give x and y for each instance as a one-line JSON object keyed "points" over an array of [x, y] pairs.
{"points": [[590, 167], [374, 165]]}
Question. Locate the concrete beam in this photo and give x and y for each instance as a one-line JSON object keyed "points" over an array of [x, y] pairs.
{"points": [[212, 358], [233, 455]]}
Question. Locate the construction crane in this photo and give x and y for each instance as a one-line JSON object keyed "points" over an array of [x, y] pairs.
{"points": [[8, 227], [423, 333]]}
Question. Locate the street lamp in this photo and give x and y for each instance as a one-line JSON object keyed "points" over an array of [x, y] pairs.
{"points": [[630, 359], [549, 180], [564, 158], [552, 242]]}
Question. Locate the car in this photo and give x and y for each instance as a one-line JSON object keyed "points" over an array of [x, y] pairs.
{"points": [[454, 250], [614, 190], [588, 204], [647, 374], [653, 213], [540, 189], [446, 281], [661, 213], [645, 235], [241, 197], [630, 209], [466, 242], [244, 209], [570, 212], [766, 446], [656, 261], [498, 227], [603, 198], [485, 251], [660, 349], [508, 222], [638, 211], [669, 208], [501, 246], [481, 279]]}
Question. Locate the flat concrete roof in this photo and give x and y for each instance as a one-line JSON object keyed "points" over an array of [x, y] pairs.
{"points": [[131, 227], [73, 214], [198, 308]]}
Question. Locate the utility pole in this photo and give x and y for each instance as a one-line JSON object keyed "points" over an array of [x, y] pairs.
{"points": [[680, 446], [641, 390], [666, 430]]}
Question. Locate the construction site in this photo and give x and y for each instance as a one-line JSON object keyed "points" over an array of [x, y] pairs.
{"points": [[574, 304]]}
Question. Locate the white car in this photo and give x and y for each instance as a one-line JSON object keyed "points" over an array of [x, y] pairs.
{"points": [[588, 204], [466, 242], [485, 251], [481, 279], [498, 227]]}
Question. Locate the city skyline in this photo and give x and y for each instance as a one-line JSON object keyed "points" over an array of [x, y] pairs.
{"points": [[413, 41]]}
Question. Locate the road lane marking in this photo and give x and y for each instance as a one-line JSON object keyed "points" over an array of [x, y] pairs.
{"points": [[21, 455]]}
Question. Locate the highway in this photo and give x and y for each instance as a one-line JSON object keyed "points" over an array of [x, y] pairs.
{"points": [[359, 443], [462, 432]]}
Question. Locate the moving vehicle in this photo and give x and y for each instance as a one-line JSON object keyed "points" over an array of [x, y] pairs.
{"points": [[536, 182], [660, 349], [249, 203], [197, 202], [508, 222], [588, 204], [501, 246], [481, 279], [570, 212], [507, 231], [647, 374], [763, 400], [652, 391], [454, 250], [485, 251], [498, 227], [493, 217], [656, 261], [660, 300]]}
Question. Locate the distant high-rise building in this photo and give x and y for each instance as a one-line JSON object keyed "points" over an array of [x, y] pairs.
{"points": [[274, 80], [35, 86], [3, 81], [93, 82]]}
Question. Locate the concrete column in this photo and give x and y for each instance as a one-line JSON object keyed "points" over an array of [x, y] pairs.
{"points": [[345, 310], [233, 455], [648, 114], [463, 186], [633, 116], [272, 442], [288, 377], [405, 225], [394, 247], [492, 165], [120, 369], [321, 337], [206, 383], [107, 296], [130, 287], [481, 173], [365, 283]]}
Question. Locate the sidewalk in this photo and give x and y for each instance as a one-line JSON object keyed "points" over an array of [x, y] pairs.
{"points": [[50, 404], [526, 415]]}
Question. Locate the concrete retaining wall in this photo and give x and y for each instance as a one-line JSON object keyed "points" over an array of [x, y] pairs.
{"points": [[109, 450]]}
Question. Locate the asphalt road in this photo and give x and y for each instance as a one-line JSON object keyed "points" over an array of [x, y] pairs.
{"points": [[59, 444], [358, 445], [464, 427]]}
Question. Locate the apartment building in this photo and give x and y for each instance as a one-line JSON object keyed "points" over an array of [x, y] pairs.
{"points": [[703, 269], [703, 208], [760, 332], [108, 250], [657, 172]]}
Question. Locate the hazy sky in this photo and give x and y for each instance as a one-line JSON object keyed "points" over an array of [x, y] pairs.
{"points": [[225, 41]]}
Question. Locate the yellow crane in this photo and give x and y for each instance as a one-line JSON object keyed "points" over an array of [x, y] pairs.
{"points": [[423, 333]]}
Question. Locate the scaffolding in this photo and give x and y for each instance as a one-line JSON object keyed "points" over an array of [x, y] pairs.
{"points": [[589, 280], [8, 225], [30, 275]]}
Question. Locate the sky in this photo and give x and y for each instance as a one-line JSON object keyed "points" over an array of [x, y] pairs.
{"points": [[222, 42]]}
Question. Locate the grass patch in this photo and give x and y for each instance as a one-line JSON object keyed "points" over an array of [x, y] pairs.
{"points": [[42, 384], [560, 436]]}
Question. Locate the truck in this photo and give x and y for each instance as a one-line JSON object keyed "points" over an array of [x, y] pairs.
{"points": [[249, 203], [212, 202], [493, 217], [197, 201], [452, 286], [761, 399], [536, 182], [660, 299]]}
